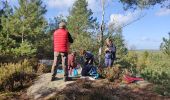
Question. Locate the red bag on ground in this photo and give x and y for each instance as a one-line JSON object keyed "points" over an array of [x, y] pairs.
{"points": [[129, 79]]}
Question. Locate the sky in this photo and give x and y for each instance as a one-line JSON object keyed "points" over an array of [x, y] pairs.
{"points": [[145, 33]]}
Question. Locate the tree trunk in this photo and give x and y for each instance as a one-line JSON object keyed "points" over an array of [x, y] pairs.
{"points": [[101, 35]]}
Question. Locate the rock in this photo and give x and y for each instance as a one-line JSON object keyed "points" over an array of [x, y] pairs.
{"points": [[143, 84], [43, 87]]}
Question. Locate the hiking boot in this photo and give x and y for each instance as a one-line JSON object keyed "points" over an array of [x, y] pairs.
{"points": [[53, 78]]}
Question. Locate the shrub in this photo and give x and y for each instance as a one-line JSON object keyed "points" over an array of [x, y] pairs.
{"points": [[163, 89], [43, 68], [157, 68], [129, 62], [157, 71], [111, 73], [13, 75]]}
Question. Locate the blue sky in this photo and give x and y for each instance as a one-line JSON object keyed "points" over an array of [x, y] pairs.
{"points": [[146, 33]]}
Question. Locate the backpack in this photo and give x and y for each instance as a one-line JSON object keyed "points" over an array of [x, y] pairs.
{"points": [[93, 72], [85, 70]]}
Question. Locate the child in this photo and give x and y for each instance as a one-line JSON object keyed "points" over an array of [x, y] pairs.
{"points": [[110, 53], [71, 62]]}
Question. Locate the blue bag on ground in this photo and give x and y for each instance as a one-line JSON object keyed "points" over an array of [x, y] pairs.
{"points": [[93, 72], [90, 70], [75, 72], [60, 71]]}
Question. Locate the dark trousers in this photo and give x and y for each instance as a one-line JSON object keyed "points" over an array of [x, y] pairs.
{"points": [[89, 61]]}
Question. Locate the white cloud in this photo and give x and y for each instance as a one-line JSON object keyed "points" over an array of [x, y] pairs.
{"points": [[144, 42], [148, 42], [61, 4], [163, 12], [94, 5], [64, 5], [119, 20], [145, 39], [148, 39], [63, 13]]}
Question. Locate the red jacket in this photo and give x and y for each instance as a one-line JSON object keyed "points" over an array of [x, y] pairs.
{"points": [[60, 39]]}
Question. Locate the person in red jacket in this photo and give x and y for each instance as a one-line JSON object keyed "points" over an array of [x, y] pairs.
{"points": [[61, 40]]}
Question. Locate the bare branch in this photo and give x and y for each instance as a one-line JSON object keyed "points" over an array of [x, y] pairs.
{"points": [[134, 20]]}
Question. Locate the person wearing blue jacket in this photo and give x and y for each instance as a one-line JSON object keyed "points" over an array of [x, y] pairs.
{"points": [[88, 59], [110, 53]]}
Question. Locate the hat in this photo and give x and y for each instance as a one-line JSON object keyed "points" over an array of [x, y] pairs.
{"points": [[62, 25]]}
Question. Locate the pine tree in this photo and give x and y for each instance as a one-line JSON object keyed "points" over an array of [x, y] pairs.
{"points": [[121, 49], [144, 3], [80, 20], [6, 41], [23, 29], [28, 20], [165, 46], [116, 35], [81, 25]]}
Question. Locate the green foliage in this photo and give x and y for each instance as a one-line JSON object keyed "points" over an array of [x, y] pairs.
{"points": [[121, 50], [163, 89], [84, 42], [53, 24], [156, 70], [20, 24], [44, 46], [165, 46], [28, 19], [143, 3], [6, 45], [25, 49], [143, 60], [112, 73], [6, 41], [130, 62], [14, 75], [80, 20], [156, 67], [82, 26]]}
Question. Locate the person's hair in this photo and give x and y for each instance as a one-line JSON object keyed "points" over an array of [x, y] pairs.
{"points": [[108, 39], [82, 52], [62, 24], [74, 52]]}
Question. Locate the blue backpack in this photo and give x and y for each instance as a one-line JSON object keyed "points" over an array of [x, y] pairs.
{"points": [[93, 72], [85, 70]]}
